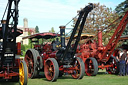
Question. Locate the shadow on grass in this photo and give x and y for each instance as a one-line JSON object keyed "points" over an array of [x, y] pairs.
{"points": [[63, 77], [5, 82], [66, 77], [99, 73], [42, 76], [102, 73]]}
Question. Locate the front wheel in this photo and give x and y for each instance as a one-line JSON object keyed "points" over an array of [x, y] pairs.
{"points": [[23, 73], [91, 66], [79, 71], [51, 69]]}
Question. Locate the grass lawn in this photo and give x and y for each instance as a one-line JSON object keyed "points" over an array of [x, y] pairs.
{"points": [[100, 79]]}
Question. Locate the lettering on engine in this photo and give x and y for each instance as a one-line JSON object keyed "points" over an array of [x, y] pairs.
{"points": [[8, 55]]}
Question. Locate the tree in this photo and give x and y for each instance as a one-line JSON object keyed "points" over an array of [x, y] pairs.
{"points": [[99, 18], [52, 30], [120, 9], [37, 29]]}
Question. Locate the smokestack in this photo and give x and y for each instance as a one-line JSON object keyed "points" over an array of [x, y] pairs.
{"points": [[3, 27], [100, 38], [62, 34]]}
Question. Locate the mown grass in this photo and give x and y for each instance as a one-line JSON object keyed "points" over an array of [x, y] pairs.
{"points": [[100, 79]]}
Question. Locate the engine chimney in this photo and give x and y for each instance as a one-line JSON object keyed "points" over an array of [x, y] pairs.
{"points": [[100, 38], [3, 26], [62, 34]]}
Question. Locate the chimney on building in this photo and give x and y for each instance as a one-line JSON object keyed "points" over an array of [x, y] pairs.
{"points": [[25, 23]]}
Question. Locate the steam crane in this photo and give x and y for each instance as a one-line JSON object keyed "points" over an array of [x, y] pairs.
{"points": [[96, 56], [68, 50], [11, 67]]}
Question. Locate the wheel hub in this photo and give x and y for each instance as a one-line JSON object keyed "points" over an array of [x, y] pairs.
{"points": [[50, 69], [90, 66]]}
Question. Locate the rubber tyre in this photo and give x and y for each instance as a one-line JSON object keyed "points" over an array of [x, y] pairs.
{"points": [[25, 70], [55, 68], [93, 65]]}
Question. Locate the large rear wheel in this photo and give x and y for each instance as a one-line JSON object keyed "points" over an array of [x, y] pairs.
{"points": [[31, 61], [51, 69], [23, 74], [79, 71], [91, 66]]}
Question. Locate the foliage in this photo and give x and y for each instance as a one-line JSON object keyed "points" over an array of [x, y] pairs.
{"points": [[37, 29], [99, 18], [22, 47], [120, 9], [52, 30]]}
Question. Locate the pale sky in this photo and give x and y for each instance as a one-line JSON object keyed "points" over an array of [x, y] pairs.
{"points": [[52, 13]]}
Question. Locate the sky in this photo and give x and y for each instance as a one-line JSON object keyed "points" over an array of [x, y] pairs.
{"points": [[52, 13]]}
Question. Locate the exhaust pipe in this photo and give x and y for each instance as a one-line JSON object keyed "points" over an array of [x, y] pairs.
{"points": [[62, 34]]}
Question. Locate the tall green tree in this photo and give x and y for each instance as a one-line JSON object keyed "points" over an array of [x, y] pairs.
{"points": [[37, 29], [122, 7], [52, 30]]}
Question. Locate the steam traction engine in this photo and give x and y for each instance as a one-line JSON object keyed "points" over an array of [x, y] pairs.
{"points": [[96, 56], [11, 67], [55, 59]]}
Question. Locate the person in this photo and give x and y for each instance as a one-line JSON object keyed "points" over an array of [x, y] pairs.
{"points": [[122, 62], [119, 53], [55, 44], [127, 64]]}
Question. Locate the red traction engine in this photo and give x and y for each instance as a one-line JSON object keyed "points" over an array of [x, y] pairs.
{"points": [[56, 59], [11, 67], [96, 56]]}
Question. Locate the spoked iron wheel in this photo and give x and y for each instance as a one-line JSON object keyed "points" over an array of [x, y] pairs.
{"points": [[79, 71], [91, 66], [51, 69], [31, 59], [114, 69], [23, 76]]}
